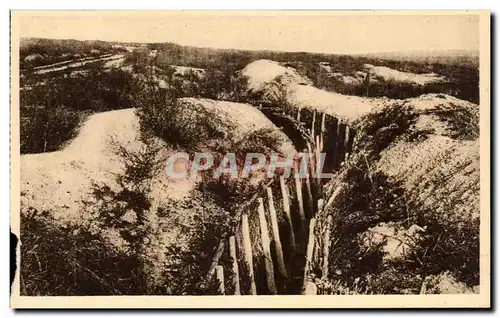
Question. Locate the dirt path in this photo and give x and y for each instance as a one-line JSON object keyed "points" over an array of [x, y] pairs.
{"points": [[75, 63]]}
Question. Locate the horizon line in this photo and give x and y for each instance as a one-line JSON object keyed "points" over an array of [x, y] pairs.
{"points": [[469, 50]]}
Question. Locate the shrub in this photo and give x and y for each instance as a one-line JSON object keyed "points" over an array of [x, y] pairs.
{"points": [[82, 259], [45, 129], [85, 258], [162, 115], [377, 130], [462, 121], [230, 193], [450, 245]]}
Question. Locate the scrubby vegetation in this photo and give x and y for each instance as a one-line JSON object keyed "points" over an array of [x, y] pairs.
{"points": [[374, 211], [463, 77], [72, 260], [463, 74], [162, 115], [463, 122], [390, 124], [463, 81], [370, 199], [130, 227]]}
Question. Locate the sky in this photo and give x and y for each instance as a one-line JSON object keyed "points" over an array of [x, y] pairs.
{"points": [[320, 32]]}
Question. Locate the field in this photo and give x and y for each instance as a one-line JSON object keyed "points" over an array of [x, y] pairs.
{"points": [[101, 216]]}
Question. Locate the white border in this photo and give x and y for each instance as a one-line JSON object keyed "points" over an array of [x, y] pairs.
{"points": [[257, 4]]}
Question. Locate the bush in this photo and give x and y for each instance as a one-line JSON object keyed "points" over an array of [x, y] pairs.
{"points": [[110, 206], [222, 84], [450, 245], [162, 115], [197, 222], [228, 192]]}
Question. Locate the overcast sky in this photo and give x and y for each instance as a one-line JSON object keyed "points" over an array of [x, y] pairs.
{"points": [[292, 31]]}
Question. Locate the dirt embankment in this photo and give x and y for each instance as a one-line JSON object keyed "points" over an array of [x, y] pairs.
{"points": [[300, 93], [388, 74], [59, 181], [441, 171], [431, 152], [242, 120], [443, 153]]}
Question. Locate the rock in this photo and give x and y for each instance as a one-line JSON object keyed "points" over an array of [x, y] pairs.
{"points": [[311, 289], [445, 283], [392, 239]]}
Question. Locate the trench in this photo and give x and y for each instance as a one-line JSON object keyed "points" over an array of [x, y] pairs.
{"points": [[336, 141]]}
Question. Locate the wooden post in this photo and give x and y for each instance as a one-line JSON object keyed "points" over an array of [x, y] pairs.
{"points": [[338, 159], [323, 128], [316, 251], [276, 233], [318, 143], [317, 153], [308, 180], [310, 250], [346, 142], [313, 124], [310, 197], [300, 202], [334, 196], [271, 284], [312, 160], [326, 246], [247, 247], [236, 272], [220, 278], [298, 115], [286, 209], [216, 257], [316, 168]]}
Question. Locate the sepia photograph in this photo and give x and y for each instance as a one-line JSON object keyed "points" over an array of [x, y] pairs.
{"points": [[338, 158]]}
